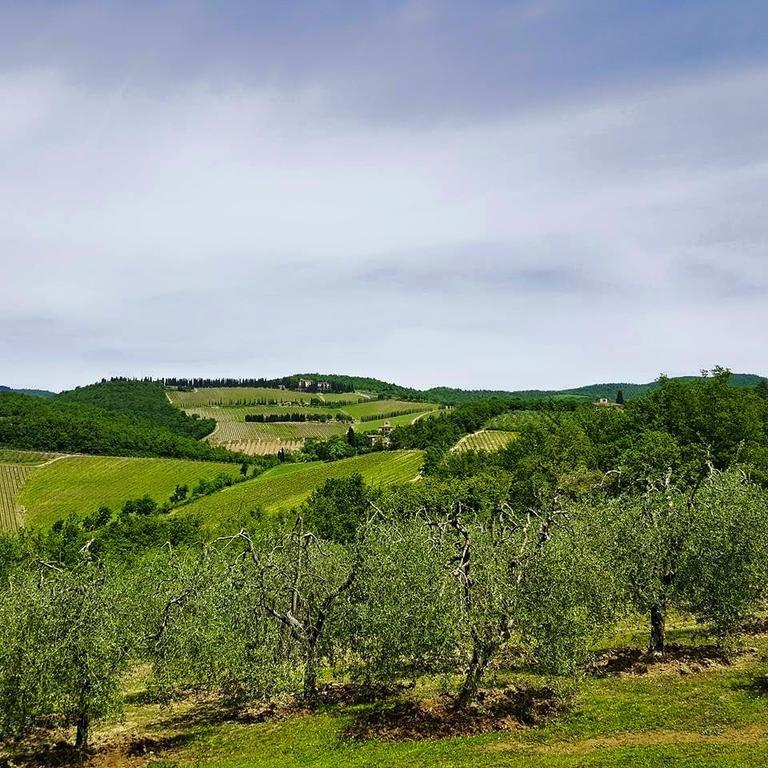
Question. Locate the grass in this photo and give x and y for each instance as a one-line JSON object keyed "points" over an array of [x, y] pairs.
{"points": [[382, 407], [710, 719], [395, 421], [488, 440], [80, 484], [287, 485]]}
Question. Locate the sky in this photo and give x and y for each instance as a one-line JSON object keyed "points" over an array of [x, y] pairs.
{"points": [[476, 193]]}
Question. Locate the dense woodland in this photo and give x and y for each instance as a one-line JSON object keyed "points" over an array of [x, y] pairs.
{"points": [[119, 418]]}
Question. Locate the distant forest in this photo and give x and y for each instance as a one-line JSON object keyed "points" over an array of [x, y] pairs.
{"points": [[119, 418]]}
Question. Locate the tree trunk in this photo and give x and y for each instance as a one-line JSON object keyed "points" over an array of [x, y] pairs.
{"points": [[83, 732], [658, 636], [475, 671], [310, 677]]}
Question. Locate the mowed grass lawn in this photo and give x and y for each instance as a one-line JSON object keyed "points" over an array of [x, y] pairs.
{"points": [[288, 485], [81, 484], [716, 718]]}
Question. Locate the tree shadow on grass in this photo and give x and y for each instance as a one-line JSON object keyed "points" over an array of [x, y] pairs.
{"points": [[503, 710], [682, 659]]}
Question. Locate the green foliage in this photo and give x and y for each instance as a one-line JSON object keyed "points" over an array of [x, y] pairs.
{"points": [[142, 400], [403, 612], [207, 629], [64, 639], [337, 508], [75, 424]]}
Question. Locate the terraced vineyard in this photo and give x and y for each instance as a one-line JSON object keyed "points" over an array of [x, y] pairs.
{"points": [[286, 486], [12, 478], [257, 439], [80, 484], [488, 440]]}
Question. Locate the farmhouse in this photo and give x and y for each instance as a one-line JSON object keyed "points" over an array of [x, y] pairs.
{"points": [[305, 383], [381, 436], [604, 402], [323, 386]]}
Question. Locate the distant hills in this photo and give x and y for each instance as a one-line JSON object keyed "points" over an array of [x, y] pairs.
{"points": [[32, 392], [452, 395]]}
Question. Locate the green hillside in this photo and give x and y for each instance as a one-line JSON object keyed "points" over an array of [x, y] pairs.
{"points": [[32, 392], [112, 418], [288, 485], [79, 485]]}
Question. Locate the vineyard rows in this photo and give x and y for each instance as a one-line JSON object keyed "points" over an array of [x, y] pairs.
{"points": [[12, 477], [231, 431], [262, 447], [488, 440], [385, 408], [81, 484]]}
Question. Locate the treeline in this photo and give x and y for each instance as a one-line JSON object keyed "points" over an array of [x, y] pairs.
{"points": [[390, 414], [437, 434], [375, 593], [262, 418], [208, 383], [289, 382], [117, 418], [141, 400], [681, 429]]}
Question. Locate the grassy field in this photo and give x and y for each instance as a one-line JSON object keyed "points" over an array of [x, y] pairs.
{"points": [[381, 407], [12, 478], [245, 395], [670, 717], [488, 440], [80, 484], [395, 421], [288, 485]]}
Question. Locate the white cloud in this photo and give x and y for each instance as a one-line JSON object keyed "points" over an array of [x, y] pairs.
{"points": [[225, 230]]}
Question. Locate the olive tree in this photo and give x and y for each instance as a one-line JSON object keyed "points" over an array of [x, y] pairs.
{"points": [[64, 640], [724, 566], [517, 581], [402, 613], [207, 629], [301, 580], [700, 547]]}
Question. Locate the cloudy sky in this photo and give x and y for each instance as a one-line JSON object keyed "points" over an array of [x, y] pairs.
{"points": [[478, 193]]}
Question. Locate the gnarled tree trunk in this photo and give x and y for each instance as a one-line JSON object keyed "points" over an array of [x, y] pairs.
{"points": [[657, 642]]}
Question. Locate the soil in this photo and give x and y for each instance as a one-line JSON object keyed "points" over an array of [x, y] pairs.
{"points": [[683, 659], [439, 718]]}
